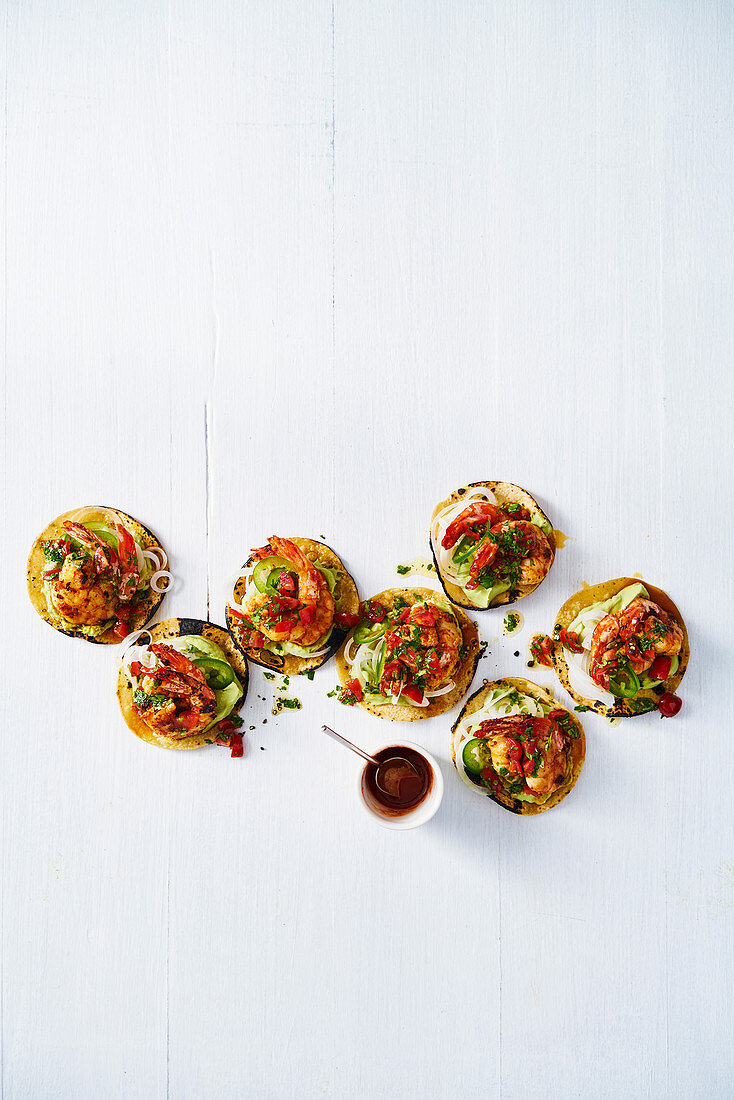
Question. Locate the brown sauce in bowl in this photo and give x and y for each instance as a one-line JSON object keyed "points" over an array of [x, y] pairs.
{"points": [[410, 789]]}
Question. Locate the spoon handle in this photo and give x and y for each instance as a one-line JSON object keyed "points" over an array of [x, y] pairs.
{"points": [[338, 737]]}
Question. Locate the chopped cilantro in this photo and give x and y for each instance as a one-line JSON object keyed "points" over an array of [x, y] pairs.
{"points": [[403, 569], [142, 700]]}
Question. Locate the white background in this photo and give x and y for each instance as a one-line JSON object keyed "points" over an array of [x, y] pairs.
{"points": [[305, 268]]}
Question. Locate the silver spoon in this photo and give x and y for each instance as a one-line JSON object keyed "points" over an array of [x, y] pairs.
{"points": [[385, 769]]}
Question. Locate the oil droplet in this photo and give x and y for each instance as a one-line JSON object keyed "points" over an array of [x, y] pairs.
{"points": [[638, 576], [422, 567], [561, 539], [513, 623]]}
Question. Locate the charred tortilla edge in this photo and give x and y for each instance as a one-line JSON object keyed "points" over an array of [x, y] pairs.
{"points": [[505, 492], [177, 628], [543, 695]]}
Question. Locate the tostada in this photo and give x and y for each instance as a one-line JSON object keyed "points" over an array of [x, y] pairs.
{"points": [[292, 605], [180, 683], [411, 655], [513, 742], [621, 648], [97, 573], [492, 544]]}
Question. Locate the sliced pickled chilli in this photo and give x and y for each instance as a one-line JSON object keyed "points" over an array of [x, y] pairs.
{"points": [[474, 755], [368, 633], [218, 674], [267, 572], [624, 683]]}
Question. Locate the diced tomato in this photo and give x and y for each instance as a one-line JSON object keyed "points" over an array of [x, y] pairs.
{"points": [[278, 604], [392, 670], [571, 640], [660, 668], [433, 661], [423, 617], [541, 647], [515, 756], [135, 668], [224, 731], [286, 583], [345, 620], [307, 614], [373, 611], [669, 704], [236, 615], [352, 693], [121, 629], [287, 624], [403, 616], [235, 743], [187, 719], [411, 691]]}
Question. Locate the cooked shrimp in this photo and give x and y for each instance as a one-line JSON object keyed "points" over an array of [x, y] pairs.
{"points": [[640, 633], [91, 584], [427, 641], [551, 771], [472, 522], [188, 704], [516, 541], [84, 596], [301, 617], [532, 750]]}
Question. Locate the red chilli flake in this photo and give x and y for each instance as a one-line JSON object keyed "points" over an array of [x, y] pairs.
{"points": [[236, 746]]}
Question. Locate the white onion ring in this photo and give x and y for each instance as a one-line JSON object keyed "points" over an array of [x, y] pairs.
{"points": [[131, 639], [156, 577], [157, 555]]}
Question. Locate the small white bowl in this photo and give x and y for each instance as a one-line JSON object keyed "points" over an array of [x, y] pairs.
{"points": [[425, 810]]}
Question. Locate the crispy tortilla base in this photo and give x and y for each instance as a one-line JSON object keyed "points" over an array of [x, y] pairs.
{"points": [[506, 493], [462, 677], [177, 628], [37, 563], [346, 598], [578, 747], [622, 708]]}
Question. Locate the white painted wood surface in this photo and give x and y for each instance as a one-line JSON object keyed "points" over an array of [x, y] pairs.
{"points": [[303, 268]]}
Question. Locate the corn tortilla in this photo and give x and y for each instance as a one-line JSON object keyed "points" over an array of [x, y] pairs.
{"points": [[177, 628], [147, 606], [505, 493], [346, 599], [646, 699], [462, 677], [544, 696]]}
